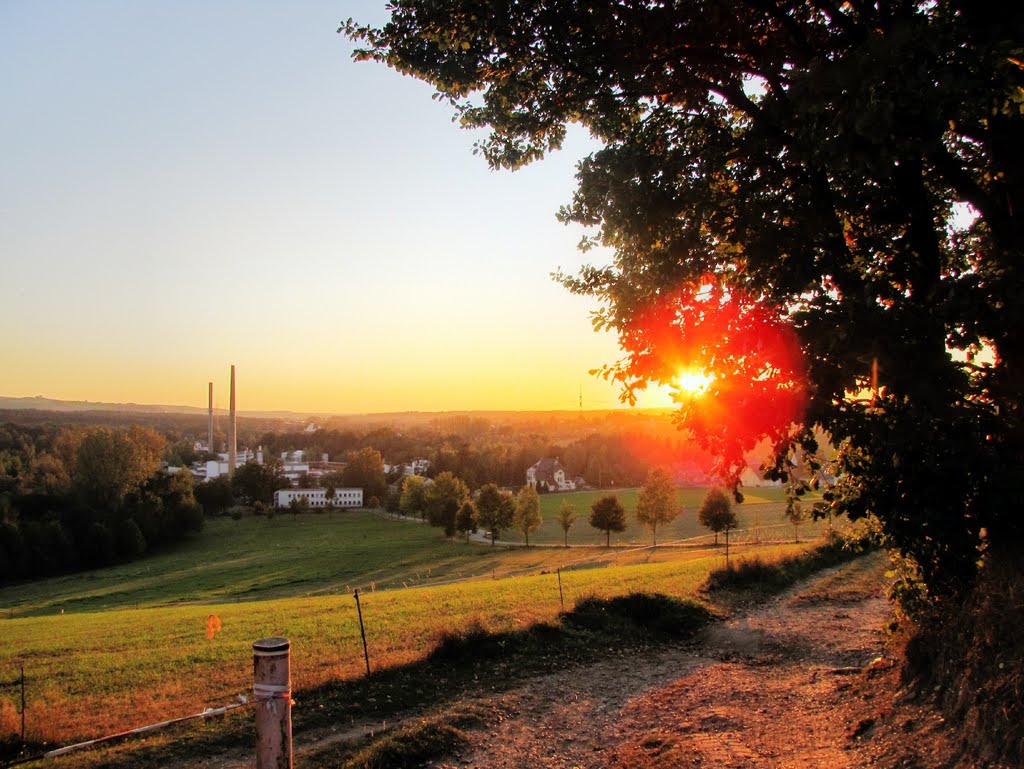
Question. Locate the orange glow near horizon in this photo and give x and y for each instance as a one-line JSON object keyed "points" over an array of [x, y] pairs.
{"points": [[732, 361]]}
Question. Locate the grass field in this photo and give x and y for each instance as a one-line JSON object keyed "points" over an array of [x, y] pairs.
{"points": [[257, 559], [762, 509], [104, 665]]}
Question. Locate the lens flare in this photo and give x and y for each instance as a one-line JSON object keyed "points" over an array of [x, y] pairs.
{"points": [[733, 361], [690, 382]]}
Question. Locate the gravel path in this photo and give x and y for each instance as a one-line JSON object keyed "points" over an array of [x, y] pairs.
{"points": [[800, 682]]}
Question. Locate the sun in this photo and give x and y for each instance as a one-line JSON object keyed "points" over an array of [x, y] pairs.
{"points": [[692, 382]]}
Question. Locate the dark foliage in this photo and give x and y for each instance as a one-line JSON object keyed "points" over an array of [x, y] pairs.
{"points": [[782, 186], [654, 613], [973, 662]]}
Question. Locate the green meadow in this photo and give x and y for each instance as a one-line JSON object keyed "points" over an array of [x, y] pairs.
{"points": [[128, 645], [762, 510]]}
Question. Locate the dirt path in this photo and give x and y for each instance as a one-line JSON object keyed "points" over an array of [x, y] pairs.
{"points": [[800, 682]]}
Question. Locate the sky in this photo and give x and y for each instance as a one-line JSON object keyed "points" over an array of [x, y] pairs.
{"points": [[188, 185]]}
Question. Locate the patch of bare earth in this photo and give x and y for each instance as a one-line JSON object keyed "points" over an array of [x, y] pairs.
{"points": [[801, 682]]}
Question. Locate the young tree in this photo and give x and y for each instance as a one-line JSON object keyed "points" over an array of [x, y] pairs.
{"points": [[657, 502], [818, 159], [298, 505], [393, 500], [495, 509], [442, 500], [796, 515], [716, 513], [413, 499], [566, 518], [527, 516], [608, 515], [465, 519]]}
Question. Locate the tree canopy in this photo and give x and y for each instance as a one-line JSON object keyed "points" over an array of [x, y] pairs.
{"points": [[716, 512], [527, 517], [656, 502], [608, 515], [495, 509], [442, 500], [819, 205]]}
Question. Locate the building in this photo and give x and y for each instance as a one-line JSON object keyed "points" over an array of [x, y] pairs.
{"points": [[549, 475], [415, 467], [216, 468], [317, 498]]}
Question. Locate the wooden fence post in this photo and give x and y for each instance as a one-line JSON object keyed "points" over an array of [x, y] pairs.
{"points": [[362, 632], [561, 597], [272, 688], [23, 704]]}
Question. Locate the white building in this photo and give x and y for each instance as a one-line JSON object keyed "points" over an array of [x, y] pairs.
{"points": [[549, 474], [219, 467], [318, 497]]}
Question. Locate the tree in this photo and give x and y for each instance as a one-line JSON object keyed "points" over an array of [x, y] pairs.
{"points": [[130, 542], [465, 519], [298, 505], [364, 469], [566, 518], [608, 515], [527, 516], [393, 500], [413, 499], [796, 515], [442, 500], [495, 510], [215, 495], [821, 205], [254, 482], [716, 513], [109, 464], [657, 501]]}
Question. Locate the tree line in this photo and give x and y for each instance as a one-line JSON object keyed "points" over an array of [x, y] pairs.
{"points": [[88, 497], [447, 503]]}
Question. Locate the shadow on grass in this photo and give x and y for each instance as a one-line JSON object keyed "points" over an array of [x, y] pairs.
{"points": [[751, 579], [438, 695]]}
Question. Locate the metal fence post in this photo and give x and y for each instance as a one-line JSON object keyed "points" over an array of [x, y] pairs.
{"points": [[272, 688]]}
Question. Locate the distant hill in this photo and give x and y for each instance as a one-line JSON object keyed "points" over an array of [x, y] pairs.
{"points": [[40, 403]]}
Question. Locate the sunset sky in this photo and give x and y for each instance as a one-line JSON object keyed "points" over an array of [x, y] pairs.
{"points": [[193, 184]]}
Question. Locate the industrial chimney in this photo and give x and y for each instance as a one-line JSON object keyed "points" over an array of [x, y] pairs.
{"points": [[232, 430], [209, 426]]}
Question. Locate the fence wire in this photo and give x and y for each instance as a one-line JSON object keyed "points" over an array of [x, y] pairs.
{"points": [[207, 713]]}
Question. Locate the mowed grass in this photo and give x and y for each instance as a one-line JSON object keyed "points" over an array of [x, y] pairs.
{"points": [[96, 672], [312, 554], [256, 558], [762, 510]]}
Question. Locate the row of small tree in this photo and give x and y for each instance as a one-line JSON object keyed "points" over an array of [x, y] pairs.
{"points": [[446, 502], [657, 504]]}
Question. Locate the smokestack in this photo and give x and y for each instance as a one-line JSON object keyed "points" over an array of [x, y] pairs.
{"points": [[232, 432], [209, 428]]}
